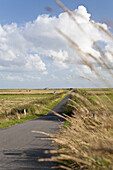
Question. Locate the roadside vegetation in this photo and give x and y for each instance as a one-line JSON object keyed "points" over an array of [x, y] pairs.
{"points": [[18, 106], [86, 140]]}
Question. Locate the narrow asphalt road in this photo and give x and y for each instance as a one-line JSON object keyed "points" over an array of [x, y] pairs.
{"points": [[20, 149]]}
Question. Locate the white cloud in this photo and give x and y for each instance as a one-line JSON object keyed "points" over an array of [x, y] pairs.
{"points": [[14, 78], [34, 62], [29, 48], [59, 57]]}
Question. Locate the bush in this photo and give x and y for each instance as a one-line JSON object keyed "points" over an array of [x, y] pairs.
{"points": [[31, 109], [13, 111]]}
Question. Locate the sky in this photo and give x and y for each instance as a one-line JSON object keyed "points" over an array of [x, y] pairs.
{"points": [[34, 55]]}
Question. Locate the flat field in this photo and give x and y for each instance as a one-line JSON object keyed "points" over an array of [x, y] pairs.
{"points": [[15, 102], [30, 91], [100, 91]]}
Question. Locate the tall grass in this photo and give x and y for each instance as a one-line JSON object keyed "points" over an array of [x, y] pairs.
{"points": [[87, 142], [89, 59]]}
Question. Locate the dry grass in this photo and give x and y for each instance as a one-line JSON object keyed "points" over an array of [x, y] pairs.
{"points": [[89, 59], [7, 102], [30, 91], [14, 102], [88, 142]]}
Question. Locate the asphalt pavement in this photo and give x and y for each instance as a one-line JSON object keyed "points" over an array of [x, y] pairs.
{"points": [[20, 149]]}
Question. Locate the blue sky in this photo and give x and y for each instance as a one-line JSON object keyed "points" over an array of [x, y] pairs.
{"points": [[32, 54], [21, 11]]}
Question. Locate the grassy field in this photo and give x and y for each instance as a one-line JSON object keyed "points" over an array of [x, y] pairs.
{"points": [[99, 91], [86, 141], [20, 105], [30, 91]]}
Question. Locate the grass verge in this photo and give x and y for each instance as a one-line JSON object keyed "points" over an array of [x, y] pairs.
{"points": [[13, 122]]}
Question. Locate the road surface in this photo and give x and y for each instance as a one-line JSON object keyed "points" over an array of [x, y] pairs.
{"points": [[20, 149]]}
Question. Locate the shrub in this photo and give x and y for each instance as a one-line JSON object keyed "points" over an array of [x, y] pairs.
{"points": [[31, 109]]}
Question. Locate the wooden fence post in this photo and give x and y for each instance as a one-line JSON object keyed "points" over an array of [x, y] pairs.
{"points": [[25, 113], [6, 113]]}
